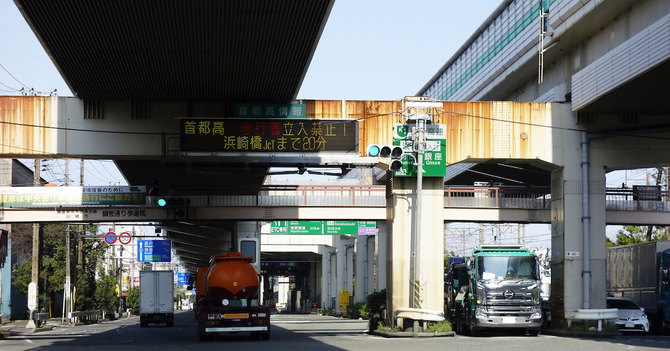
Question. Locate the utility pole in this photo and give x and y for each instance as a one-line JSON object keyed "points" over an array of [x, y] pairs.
{"points": [[80, 241], [36, 250], [68, 291]]}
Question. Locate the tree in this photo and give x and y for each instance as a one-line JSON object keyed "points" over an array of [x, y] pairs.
{"points": [[53, 262], [635, 234], [133, 298], [105, 298]]}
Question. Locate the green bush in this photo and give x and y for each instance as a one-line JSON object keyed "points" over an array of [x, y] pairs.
{"points": [[325, 312], [438, 327], [376, 304], [373, 309], [358, 311], [133, 299]]}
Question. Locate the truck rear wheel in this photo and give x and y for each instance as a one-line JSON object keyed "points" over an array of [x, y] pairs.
{"points": [[658, 324]]}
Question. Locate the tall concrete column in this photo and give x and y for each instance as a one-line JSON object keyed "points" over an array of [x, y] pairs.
{"points": [[247, 229], [568, 234], [358, 269], [364, 273], [380, 256], [328, 272], [400, 209]]}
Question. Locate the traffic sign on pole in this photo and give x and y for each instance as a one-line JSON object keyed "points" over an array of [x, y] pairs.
{"points": [[110, 238], [125, 238]]}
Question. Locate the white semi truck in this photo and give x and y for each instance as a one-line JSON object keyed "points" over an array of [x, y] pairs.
{"points": [[156, 298]]}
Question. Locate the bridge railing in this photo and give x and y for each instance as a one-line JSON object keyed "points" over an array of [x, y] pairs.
{"points": [[498, 197], [459, 196], [637, 199]]}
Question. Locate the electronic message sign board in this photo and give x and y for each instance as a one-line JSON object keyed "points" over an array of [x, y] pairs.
{"points": [[269, 135]]}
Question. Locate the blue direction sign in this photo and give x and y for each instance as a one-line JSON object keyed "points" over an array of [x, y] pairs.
{"points": [[154, 251], [183, 278]]}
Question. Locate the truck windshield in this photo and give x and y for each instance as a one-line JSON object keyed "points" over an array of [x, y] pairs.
{"points": [[506, 267]]}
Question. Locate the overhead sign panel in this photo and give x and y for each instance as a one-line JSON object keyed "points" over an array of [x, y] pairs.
{"points": [[271, 110], [269, 135], [183, 278], [434, 163], [154, 251], [72, 196], [324, 227]]}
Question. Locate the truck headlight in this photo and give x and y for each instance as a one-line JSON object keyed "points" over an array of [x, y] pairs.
{"points": [[536, 315], [480, 313]]}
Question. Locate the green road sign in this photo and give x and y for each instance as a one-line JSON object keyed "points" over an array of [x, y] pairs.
{"points": [[324, 227], [434, 163]]}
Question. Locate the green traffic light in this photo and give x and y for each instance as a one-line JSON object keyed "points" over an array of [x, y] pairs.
{"points": [[373, 151], [161, 202]]}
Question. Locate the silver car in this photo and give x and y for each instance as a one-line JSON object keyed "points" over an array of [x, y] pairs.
{"points": [[631, 316]]}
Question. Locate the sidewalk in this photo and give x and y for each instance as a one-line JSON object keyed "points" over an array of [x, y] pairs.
{"points": [[18, 328]]}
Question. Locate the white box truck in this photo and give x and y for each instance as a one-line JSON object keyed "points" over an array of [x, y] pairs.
{"points": [[156, 298]]}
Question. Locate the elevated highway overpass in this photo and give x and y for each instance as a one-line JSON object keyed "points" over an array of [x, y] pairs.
{"points": [[594, 87]]}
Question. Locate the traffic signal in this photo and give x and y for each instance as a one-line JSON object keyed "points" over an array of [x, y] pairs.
{"points": [[181, 208], [395, 152], [179, 205]]}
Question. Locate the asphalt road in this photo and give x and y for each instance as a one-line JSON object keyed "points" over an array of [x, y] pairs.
{"points": [[299, 332]]}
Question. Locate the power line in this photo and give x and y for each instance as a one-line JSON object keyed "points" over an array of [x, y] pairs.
{"points": [[3, 67]]}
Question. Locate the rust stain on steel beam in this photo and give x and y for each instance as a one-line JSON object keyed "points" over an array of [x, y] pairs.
{"points": [[478, 130], [22, 119]]}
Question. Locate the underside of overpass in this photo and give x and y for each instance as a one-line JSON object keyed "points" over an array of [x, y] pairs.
{"points": [[208, 53]]}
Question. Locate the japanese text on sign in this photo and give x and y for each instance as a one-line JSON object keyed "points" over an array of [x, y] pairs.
{"points": [[71, 196], [324, 227], [271, 110], [265, 135]]}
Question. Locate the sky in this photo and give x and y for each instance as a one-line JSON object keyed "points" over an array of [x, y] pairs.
{"points": [[369, 50]]}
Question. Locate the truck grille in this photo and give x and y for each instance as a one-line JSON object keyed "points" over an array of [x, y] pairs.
{"points": [[509, 301]]}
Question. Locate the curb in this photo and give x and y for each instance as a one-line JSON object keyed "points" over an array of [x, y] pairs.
{"points": [[402, 334], [582, 334]]}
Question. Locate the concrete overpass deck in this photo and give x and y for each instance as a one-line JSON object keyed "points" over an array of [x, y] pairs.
{"points": [[359, 202]]}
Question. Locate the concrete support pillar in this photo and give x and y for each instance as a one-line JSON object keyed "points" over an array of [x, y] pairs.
{"points": [[359, 269], [364, 274], [380, 256], [247, 229], [401, 206], [328, 272], [568, 232], [345, 268], [339, 273], [315, 278]]}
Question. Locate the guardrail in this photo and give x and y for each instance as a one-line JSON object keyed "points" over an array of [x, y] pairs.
{"points": [[591, 315], [86, 316]]}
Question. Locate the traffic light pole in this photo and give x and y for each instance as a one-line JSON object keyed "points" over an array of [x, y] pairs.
{"points": [[420, 125]]}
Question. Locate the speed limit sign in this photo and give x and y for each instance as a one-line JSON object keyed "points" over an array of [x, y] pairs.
{"points": [[125, 238]]}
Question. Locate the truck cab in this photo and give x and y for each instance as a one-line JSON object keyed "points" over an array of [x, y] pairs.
{"points": [[502, 291]]}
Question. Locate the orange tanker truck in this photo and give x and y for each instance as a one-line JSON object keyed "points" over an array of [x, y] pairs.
{"points": [[227, 298]]}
